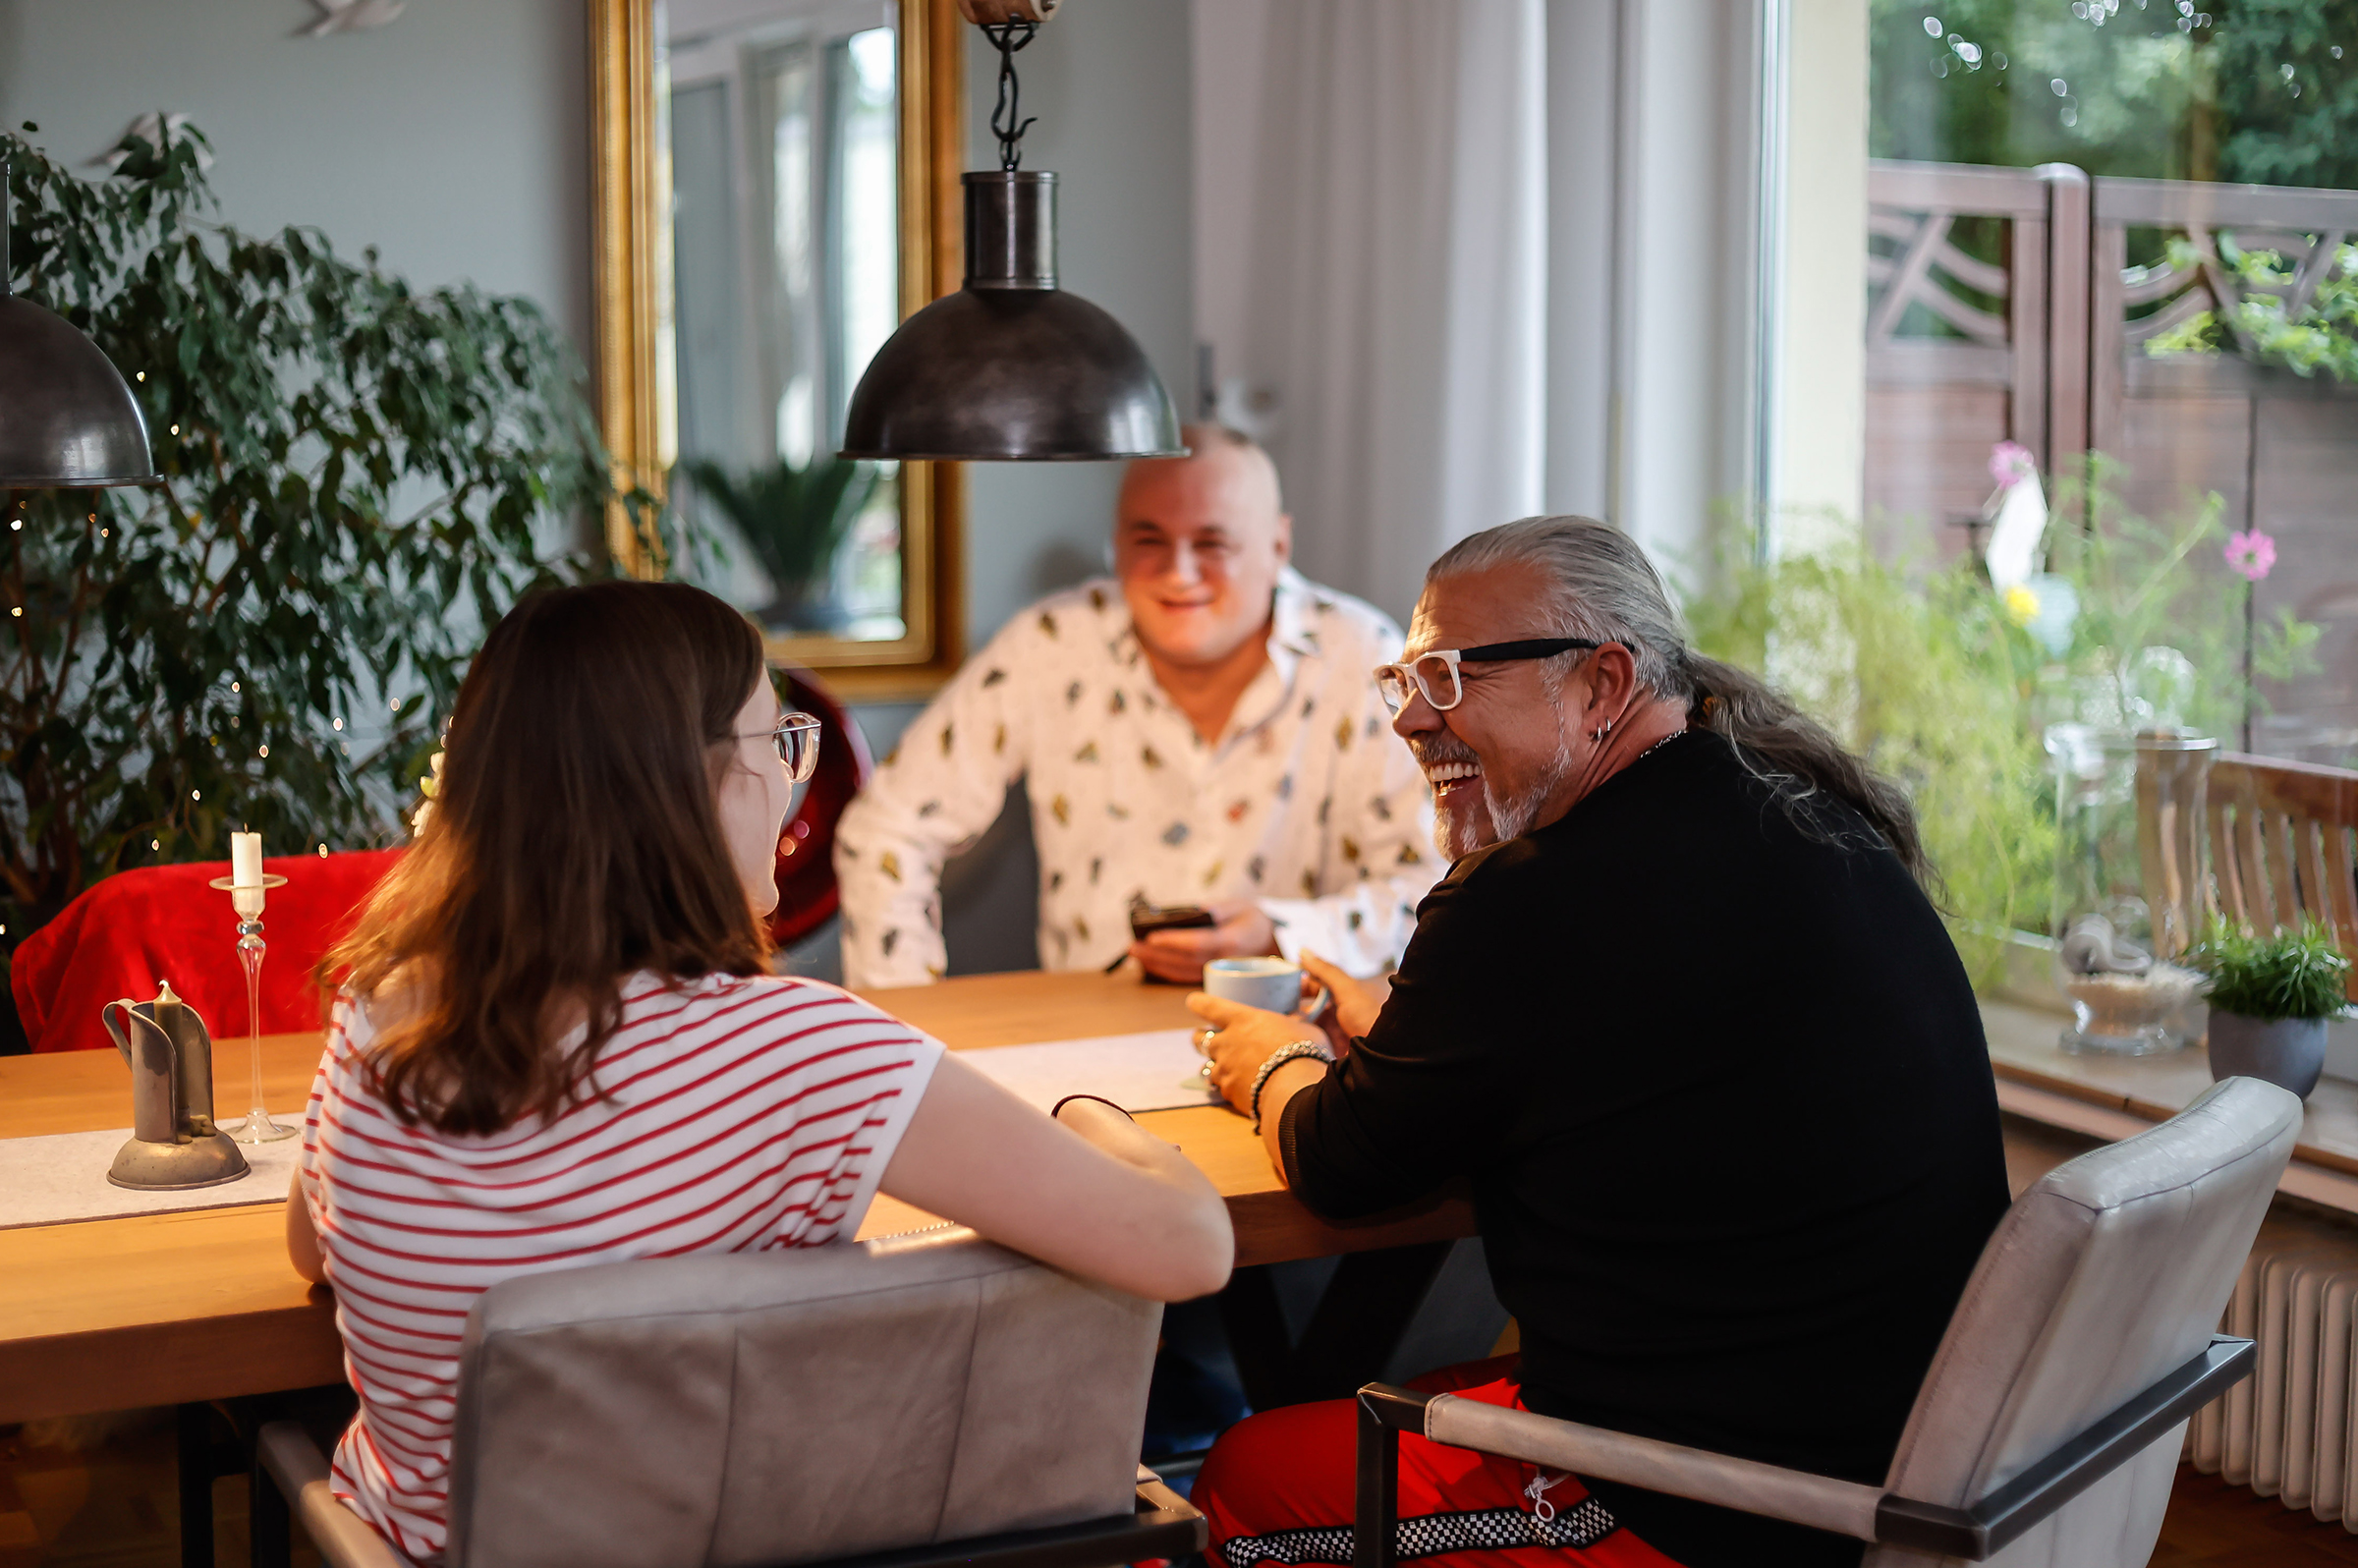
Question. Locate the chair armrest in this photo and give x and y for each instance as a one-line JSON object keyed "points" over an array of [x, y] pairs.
{"points": [[2063, 1472], [1798, 1496], [286, 1452], [1154, 1497]]}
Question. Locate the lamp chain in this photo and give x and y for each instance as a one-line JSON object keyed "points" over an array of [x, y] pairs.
{"points": [[1006, 122]]}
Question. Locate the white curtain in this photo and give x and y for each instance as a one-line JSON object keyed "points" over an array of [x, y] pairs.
{"points": [[1393, 302]]}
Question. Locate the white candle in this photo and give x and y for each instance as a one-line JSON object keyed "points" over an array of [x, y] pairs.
{"points": [[246, 860]]}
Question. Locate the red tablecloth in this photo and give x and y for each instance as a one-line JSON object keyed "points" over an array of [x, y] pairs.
{"points": [[128, 933]]}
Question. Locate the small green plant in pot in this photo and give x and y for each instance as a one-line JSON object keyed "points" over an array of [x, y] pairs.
{"points": [[2270, 998]]}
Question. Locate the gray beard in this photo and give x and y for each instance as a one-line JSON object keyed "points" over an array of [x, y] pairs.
{"points": [[1513, 819], [1509, 818], [1454, 839]]}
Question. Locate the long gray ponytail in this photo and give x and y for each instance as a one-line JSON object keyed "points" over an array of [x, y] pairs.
{"points": [[1606, 590]]}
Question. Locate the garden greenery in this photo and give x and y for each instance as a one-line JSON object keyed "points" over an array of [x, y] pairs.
{"points": [[2259, 90], [2282, 975], [358, 477], [2143, 584], [1927, 672], [1917, 675], [2321, 334]]}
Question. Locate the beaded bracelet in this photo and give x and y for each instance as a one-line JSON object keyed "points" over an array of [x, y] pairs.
{"points": [[1278, 1058]]}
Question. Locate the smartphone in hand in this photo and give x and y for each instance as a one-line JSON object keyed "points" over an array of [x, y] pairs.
{"points": [[1146, 917]]}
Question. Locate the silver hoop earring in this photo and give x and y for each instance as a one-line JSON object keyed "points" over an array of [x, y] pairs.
{"points": [[1599, 734]]}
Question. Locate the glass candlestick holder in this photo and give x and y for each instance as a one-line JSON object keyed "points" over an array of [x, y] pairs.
{"points": [[246, 901]]}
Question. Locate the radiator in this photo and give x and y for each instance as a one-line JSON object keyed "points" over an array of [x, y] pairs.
{"points": [[2286, 1431]]}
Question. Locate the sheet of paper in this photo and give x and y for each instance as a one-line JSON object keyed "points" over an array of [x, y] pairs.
{"points": [[48, 1181], [1137, 1072]]}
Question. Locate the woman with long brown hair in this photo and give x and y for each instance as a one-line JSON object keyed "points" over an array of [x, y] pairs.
{"points": [[559, 1041]]}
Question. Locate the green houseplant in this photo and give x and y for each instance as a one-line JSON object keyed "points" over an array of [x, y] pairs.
{"points": [[2270, 998], [358, 477], [794, 520]]}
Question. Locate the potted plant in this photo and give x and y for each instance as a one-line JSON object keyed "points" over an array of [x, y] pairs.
{"points": [[794, 520], [2270, 998]]}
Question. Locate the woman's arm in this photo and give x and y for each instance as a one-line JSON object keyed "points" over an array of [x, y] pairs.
{"points": [[1091, 1192], [303, 1240]]}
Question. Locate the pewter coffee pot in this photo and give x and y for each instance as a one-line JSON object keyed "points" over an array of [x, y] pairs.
{"points": [[173, 1145]]}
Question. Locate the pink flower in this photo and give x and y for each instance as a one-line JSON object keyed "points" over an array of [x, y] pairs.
{"points": [[2252, 554], [2010, 462]]}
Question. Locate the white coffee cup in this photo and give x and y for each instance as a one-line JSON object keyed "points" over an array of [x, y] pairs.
{"points": [[1271, 983]]}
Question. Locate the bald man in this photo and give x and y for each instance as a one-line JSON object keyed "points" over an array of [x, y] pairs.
{"points": [[1201, 730]]}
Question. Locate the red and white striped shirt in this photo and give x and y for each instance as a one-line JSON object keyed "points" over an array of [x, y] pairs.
{"points": [[739, 1114]]}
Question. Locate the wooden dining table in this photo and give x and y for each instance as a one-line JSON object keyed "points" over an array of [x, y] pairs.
{"points": [[202, 1305]]}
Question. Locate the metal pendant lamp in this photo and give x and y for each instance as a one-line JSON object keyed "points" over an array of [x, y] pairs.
{"points": [[67, 418], [1011, 367]]}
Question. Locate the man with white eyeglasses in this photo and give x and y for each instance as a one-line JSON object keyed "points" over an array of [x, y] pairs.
{"points": [[1200, 731], [1686, 1023]]}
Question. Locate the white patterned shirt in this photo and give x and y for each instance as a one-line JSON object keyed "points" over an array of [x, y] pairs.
{"points": [[1307, 804]]}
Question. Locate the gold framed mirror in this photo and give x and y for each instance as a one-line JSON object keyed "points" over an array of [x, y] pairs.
{"points": [[776, 187]]}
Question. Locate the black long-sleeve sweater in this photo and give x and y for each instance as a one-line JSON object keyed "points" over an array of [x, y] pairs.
{"points": [[1719, 1082]]}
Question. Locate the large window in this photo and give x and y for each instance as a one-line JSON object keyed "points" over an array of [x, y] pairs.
{"points": [[2122, 228]]}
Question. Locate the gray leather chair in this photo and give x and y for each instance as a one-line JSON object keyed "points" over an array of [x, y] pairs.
{"points": [[920, 1400], [2046, 1432]]}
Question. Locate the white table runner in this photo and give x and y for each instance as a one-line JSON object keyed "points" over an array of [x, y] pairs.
{"points": [[49, 1181]]}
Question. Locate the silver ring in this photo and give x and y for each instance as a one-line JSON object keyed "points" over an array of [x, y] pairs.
{"points": [[1203, 1040]]}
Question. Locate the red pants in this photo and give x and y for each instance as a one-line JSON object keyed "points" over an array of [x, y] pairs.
{"points": [[1278, 1489]]}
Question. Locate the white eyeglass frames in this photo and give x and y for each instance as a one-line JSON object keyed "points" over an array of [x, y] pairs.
{"points": [[1434, 674]]}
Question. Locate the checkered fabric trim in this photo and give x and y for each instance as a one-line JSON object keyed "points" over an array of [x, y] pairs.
{"points": [[1429, 1536]]}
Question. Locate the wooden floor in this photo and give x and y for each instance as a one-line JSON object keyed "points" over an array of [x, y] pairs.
{"points": [[2213, 1523], [115, 1506]]}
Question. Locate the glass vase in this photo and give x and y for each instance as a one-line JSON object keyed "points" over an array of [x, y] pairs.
{"points": [[2129, 880]]}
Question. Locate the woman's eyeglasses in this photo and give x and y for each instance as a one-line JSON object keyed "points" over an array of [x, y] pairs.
{"points": [[797, 741], [1434, 674]]}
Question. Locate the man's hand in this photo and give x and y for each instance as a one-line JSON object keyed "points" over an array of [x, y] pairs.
{"points": [[1356, 1001], [1240, 930], [1244, 1039]]}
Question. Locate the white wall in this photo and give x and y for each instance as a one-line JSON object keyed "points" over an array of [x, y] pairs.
{"points": [[455, 139], [1227, 125]]}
